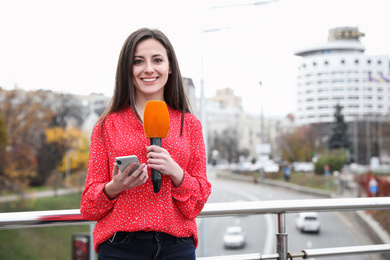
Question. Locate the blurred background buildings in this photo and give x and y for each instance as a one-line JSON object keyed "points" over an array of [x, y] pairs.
{"points": [[334, 73]]}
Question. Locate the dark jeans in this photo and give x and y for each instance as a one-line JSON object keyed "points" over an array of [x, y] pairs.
{"points": [[146, 246]]}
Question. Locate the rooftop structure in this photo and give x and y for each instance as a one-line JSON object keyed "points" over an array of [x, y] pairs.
{"points": [[338, 72]]}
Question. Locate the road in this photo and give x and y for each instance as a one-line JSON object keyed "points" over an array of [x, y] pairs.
{"points": [[336, 229]]}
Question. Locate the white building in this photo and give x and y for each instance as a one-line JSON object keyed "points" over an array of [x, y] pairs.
{"points": [[338, 72], [233, 132]]}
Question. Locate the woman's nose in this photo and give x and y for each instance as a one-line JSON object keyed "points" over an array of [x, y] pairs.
{"points": [[149, 67]]}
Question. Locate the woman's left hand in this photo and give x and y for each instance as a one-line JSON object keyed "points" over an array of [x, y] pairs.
{"points": [[160, 160]]}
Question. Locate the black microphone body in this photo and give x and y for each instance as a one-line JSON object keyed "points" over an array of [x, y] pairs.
{"points": [[156, 175]]}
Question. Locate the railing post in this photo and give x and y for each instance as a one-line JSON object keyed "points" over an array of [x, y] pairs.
{"points": [[92, 255], [281, 237]]}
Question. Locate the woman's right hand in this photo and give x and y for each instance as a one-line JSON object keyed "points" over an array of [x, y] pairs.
{"points": [[122, 181]]}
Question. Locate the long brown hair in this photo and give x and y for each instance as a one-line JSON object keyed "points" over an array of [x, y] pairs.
{"points": [[124, 91]]}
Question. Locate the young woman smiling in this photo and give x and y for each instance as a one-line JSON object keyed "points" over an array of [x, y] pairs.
{"points": [[133, 222]]}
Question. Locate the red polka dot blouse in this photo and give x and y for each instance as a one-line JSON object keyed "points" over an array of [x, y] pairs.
{"points": [[173, 210]]}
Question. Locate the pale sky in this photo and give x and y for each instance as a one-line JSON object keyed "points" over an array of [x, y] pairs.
{"points": [[73, 46]]}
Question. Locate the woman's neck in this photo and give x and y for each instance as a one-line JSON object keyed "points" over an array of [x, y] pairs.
{"points": [[140, 105]]}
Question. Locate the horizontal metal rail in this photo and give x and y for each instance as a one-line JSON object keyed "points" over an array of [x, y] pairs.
{"points": [[16, 220], [293, 206]]}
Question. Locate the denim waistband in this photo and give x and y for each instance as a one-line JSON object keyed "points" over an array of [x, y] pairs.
{"points": [[121, 235]]}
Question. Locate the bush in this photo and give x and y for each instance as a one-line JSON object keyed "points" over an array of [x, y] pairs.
{"points": [[335, 161]]}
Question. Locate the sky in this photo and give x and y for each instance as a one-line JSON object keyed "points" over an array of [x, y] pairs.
{"points": [[73, 46]]}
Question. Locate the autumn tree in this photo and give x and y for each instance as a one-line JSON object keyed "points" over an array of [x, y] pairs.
{"points": [[3, 144], [26, 114], [72, 144], [301, 144]]}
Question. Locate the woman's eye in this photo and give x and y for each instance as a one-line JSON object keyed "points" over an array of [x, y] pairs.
{"points": [[135, 62], [158, 60]]}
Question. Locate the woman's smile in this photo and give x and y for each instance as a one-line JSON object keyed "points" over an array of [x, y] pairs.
{"points": [[150, 80]]}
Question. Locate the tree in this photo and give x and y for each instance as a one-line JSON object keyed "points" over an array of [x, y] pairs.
{"points": [[300, 144], [76, 156], [226, 145], [3, 143], [26, 115], [334, 160], [338, 137]]}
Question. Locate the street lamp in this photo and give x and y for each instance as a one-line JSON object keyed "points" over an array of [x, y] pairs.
{"points": [[202, 88], [261, 116], [203, 100]]}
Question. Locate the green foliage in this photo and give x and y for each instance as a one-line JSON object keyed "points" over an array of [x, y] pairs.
{"points": [[335, 161], [41, 243]]}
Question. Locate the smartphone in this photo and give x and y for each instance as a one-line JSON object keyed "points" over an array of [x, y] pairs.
{"points": [[124, 161]]}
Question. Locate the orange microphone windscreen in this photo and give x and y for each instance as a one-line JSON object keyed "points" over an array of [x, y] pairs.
{"points": [[156, 119]]}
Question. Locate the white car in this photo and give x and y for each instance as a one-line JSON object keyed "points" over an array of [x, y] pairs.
{"points": [[308, 222], [234, 237]]}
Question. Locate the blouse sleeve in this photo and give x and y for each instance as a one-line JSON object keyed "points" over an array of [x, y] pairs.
{"points": [[94, 202], [192, 194]]}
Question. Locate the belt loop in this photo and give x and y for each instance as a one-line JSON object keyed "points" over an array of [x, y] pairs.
{"points": [[130, 237]]}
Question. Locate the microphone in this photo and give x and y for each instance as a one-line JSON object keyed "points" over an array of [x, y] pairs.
{"points": [[156, 127]]}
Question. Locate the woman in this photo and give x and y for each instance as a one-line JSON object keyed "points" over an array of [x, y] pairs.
{"points": [[133, 222]]}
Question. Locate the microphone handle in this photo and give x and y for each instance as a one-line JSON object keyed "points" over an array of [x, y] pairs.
{"points": [[156, 175]]}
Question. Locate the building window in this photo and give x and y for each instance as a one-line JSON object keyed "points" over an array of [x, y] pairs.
{"points": [[368, 61], [379, 62], [326, 62], [314, 64], [342, 61], [356, 61]]}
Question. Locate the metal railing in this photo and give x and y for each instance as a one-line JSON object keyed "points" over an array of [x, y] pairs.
{"points": [[29, 219]]}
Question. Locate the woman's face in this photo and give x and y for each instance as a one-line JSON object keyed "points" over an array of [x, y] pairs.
{"points": [[150, 69]]}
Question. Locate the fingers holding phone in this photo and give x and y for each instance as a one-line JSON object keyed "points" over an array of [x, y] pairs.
{"points": [[134, 175], [125, 163]]}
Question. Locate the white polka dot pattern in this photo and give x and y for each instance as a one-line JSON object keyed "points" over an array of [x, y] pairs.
{"points": [[173, 210]]}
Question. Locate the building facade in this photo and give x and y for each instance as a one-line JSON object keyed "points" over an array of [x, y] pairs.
{"points": [[234, 135], [338, 72]]}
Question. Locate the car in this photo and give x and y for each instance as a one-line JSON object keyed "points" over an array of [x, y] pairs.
{"points": [[308, 222], [234, 237], [268, 166]]}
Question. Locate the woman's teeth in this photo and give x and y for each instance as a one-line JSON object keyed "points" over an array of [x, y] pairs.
{"points": [[149, 80]]}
